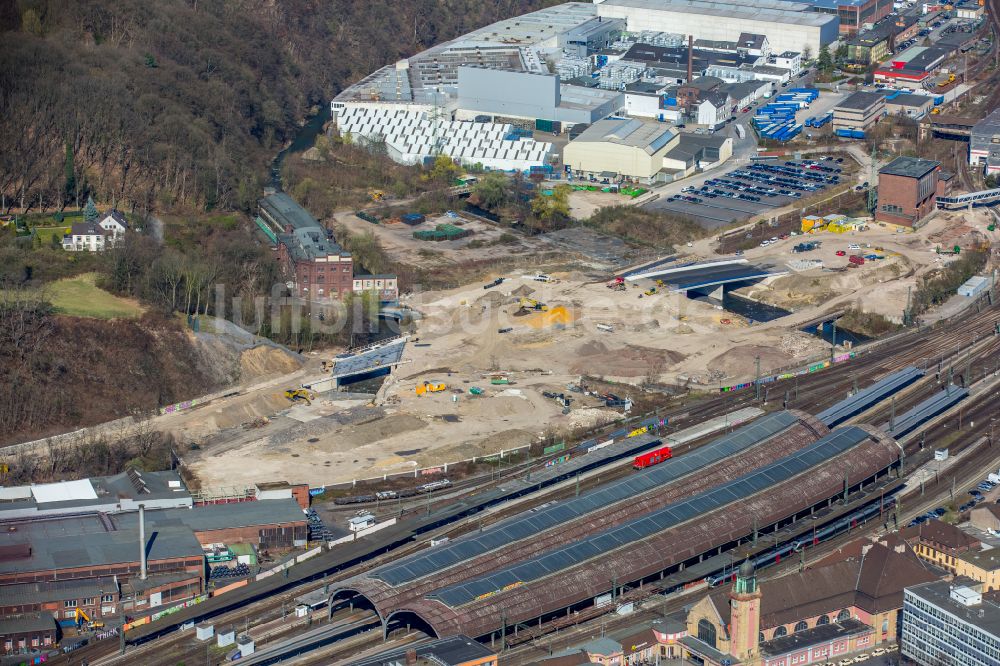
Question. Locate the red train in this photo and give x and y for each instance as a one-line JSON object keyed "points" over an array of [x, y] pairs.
{"points": [[652, 458]]}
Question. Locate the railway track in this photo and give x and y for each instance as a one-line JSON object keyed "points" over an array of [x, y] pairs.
{"points": [[969, 470], [946, 342]]}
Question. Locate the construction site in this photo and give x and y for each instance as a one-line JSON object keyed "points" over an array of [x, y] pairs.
{"points": [[499, 365]]}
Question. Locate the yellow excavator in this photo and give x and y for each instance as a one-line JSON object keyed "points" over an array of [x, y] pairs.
{"points": [[428, 387], [303, 395], [81, 617], [532, 304], [376, 195]]}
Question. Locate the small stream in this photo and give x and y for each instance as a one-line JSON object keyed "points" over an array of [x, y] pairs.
{"points": [[303, 141]]}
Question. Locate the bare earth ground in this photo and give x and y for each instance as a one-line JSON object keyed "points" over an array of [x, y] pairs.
{"points": [[663, 337], [398, 242]]}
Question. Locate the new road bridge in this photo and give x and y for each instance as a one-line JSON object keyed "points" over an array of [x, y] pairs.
{"points": [[707, 278]]}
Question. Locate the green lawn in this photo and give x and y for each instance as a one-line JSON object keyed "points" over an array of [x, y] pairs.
{"points": [[80, 297], [45, 234]]}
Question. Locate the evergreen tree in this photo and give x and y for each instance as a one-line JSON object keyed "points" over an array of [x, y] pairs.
{"points": [[90, 213], [825, 60]]}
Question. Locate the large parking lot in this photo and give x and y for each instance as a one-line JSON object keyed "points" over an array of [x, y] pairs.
{"points": [[751, 190]]}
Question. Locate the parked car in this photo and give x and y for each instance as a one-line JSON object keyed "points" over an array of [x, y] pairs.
{"points": [[841, 253], [853, 246]]}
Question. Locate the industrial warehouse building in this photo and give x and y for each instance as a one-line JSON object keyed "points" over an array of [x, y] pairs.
{"points": [[628, 148], [531, 96], [859, 111], [789, 26], [984, 144], [853, 14], [913, 66], [411, 137], [90, 561], [643, 151]]}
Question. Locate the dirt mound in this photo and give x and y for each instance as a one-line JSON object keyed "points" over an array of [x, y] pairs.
{"points": [[491, 298], [267, 360], [740, 361], [522, 291], [596, 358]]}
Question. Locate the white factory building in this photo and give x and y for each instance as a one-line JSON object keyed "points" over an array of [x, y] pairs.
{"points": [[789, 26], [411, 136], [642, 151]]}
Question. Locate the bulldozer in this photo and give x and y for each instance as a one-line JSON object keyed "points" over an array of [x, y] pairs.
{"points": [[428, 387], [296, 395], [532, 304]]}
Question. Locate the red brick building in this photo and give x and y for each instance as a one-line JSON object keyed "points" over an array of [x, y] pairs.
{"points": [[311, 259], [22, 633], [908, 188]]}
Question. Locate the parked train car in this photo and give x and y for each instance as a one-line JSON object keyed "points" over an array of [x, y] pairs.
{"points": [[652, 458]]}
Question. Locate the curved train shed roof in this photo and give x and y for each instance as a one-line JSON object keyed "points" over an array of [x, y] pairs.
{"points": [[535, 531], [654, 542]]}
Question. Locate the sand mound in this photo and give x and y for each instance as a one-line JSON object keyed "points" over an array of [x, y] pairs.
{"points": [[557, 316], [596, 358], [491, 298], [522, 291], [267, 360]]}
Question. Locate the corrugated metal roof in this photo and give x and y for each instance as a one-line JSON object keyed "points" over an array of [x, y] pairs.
{"points": [[599, 545], [875, 393], [667, 548], [64, 491], [530, 524]]}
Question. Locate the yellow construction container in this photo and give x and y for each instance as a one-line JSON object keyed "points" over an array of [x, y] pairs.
{"points": [[427, 387], [811, 223]]}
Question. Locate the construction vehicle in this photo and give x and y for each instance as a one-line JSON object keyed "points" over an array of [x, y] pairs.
{"points": [[650, 291], [81, 617], [428, 387], [303, 395], [618, 284], [532, 304], [376, 195], [660, 284]]}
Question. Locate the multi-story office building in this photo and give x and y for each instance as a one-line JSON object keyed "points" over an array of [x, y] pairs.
{"points": [[949, 625]]}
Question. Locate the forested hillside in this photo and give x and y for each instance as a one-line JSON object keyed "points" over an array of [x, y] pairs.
{"points": [[181, 103]]}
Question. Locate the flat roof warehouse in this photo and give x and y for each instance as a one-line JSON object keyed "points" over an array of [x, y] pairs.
{"points": [[778, 11]]}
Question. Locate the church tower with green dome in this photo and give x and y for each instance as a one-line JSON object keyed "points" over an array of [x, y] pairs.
{"points": [[744, 603]]}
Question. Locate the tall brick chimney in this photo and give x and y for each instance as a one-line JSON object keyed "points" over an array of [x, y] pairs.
{"points": [[690, 58]]}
